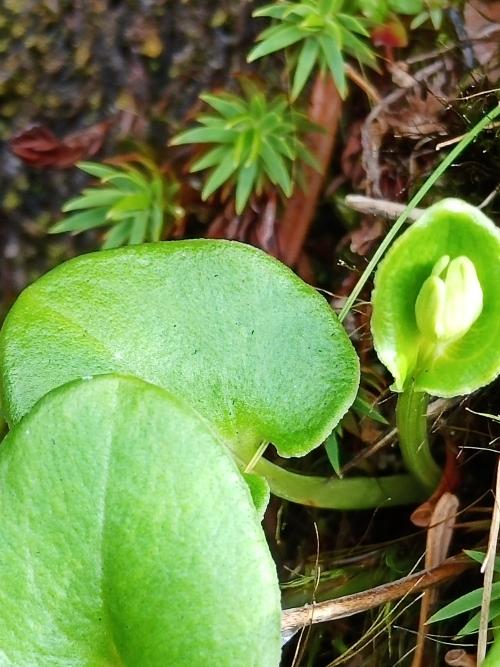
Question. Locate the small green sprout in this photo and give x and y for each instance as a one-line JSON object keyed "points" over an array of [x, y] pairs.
{"points": [[325, 33], [257, 142], [136, 201]]}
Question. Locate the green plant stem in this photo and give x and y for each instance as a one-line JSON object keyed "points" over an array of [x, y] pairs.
{"points": [[355, 493], [411, 419], [349, 493], [414, 202]]}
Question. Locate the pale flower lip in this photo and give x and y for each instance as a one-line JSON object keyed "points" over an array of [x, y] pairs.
{"points": [[450, 300]]}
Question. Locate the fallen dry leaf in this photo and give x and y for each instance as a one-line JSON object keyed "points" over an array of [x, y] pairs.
{"points": [[363, 237], [39, 147], [482, 23], [422, 117]]}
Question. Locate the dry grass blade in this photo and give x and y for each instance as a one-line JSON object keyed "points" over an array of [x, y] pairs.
{"points": [[439, 535], [488, 568]]}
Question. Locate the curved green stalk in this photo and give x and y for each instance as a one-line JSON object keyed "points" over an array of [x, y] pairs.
{"points": [[411, 419], [350, 493], [354, 493]]}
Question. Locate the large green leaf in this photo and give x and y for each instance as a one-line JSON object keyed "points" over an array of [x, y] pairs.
{"points": [[455, 229], [220, 324], [129, 538]]}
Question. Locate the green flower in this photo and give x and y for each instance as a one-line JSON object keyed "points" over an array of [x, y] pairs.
{"points": [[450, 300], [325, 35], [436, 320], [256, 142]]}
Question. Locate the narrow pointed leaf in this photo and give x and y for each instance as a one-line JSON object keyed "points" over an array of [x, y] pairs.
{"points": [[156, 223], [93, 197], [332, 448], [479, 556], [307, 59], [276, 169], [306, 156], [226, 105], [353, 24], [273, 11], [366, 409], [284, 147], [244, 185], [118, 235], [285, 37], [464, 603], [219, 176], [96, 169], [210, 159], [335, 63], [204, 135], [472, 626], [128, 204], [80, 222], [359, 50], [125, 183], [139, 227]]}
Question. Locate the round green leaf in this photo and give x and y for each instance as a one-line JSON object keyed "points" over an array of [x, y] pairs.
{"points": [[222, 325], [120, 546], [450, 229]]}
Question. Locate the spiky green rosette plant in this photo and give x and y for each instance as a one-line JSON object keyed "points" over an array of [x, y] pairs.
{"points": [[436, 318], [321, 35], [256, 142], [136, 201], [423, 10]]}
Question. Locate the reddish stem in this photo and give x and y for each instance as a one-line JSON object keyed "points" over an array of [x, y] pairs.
{"points": [[324, 110]]}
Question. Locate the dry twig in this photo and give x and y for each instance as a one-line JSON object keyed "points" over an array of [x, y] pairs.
{"points": [[294, 619]]}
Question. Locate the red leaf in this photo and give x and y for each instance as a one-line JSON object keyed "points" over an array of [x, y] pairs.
{"points": [[39, 147], [392, 35]]}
